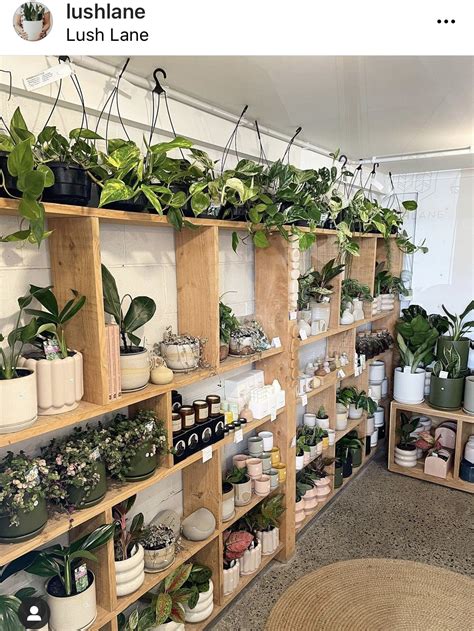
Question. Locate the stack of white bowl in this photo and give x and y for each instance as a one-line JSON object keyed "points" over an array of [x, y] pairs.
{"points": [[376, 378]]}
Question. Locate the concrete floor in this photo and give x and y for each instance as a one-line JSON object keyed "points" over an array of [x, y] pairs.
{"points": [[380, 514]]}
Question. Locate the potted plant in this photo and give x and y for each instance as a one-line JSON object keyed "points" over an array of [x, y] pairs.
{"points": [[318, 287], [322, 482], [409, 378], [25, 485], [70, 590], [265, 518], [322, 418], [306, 500], [447, 381], [354, 293], [58, 369], [228, 501], [182, 353], [242, 484], [458, 329], [78, 463], [343, 401], [201, 589], [302, 448], [387, 287], [128, 551], [134, 360], [228, 323], [18, 400], [133, 446], [235, 545], [314, 436], [32, 23], [344, 456], [251, 558], [159, 545], [405, 451], [353, 443]]}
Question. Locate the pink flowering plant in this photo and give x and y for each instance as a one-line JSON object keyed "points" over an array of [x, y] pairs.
{"points": [[24, 481]]}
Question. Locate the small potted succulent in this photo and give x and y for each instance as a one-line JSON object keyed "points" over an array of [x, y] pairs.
{"points": [[447, 381], [343, 401], [78, 462], [70, 590], [133, 446], [458, 330], [25, 485], [228, 323], [182, 353], [405, 451], [242, 484], [200, 602], [134, 360], [58, 369], [159, 544], [128, 551], [266, 523], [322, 418]]}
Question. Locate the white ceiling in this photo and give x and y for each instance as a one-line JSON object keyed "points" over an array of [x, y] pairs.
{"points": [[367, 106]]}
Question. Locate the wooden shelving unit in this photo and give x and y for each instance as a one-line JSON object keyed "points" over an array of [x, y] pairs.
{"points": [[465, 427], [75, 249]]}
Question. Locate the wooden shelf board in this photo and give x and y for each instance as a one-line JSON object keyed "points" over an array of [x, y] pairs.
{"points": [[342, 328], [419, 473], [244, 581], [351, 424], [426, 410], [231, 363], [189, 549]]}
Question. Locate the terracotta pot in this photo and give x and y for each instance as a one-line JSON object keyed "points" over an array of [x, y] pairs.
{"points": [[59, 382], [130, 573], [269, 539], [254, 467], [323, 488], [135, 369], [70, 613], [262, 486], [18, 402], [299, 513]]}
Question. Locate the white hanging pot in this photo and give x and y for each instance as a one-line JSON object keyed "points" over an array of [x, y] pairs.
{"points": [[18, 402], [130, 573], [134, 369], [409, 387], [203, 608], [405, 457], [376, 372], [59, 382], [70, 613]]}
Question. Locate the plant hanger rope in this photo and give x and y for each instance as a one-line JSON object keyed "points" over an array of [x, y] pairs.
{"points": [[113, 97], [290, 144], [228, 145], [262, 156]]}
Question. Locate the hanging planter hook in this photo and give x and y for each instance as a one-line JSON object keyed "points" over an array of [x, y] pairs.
{"points": [[10, 82], [158, 89], [343, 159]]}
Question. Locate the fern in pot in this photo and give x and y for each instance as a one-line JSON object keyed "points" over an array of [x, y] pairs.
{"points": [[134, 359], [447, 381], [59, 370], [128, 551]]}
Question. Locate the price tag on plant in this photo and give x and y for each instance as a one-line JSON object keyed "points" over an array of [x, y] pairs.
{"points": [[150, 426], [304, 399], [273, 415], [95, 454], [443, 374], [276, 342], [293, 441], [303, 335], [238, 436], [341, 374], [293, 315], [80, 578], [207, 453], [32, 477]]}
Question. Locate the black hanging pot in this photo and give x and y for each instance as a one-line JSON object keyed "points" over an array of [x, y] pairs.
{"points": [[10, 181], [137, 204], [71, 185], [233, 213]]}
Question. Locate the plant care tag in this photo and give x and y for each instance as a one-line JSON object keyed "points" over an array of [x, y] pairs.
{"points": [[150, 426], [443, 374], [238, 436], [304, 399], [80, 578], [32, 477], [207, 453], [273, 415], [50, 75], [293, 441], [406, 369], [276, 342], [303, 335], [51, 349], [293, 315], [95, 454], [341, 374]]}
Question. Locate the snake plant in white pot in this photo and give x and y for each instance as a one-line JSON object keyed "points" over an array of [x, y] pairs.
{"points": [[409, 378]]}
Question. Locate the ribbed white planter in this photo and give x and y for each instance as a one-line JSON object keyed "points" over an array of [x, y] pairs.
{"points": [[269, 540], [387, 302], [130, 573], [355, 413], [250, 561], [135, 370], [18, 403], [73, 612], [405, 458], [409, 387], [203, 608], [59, 383], [231, 578]]}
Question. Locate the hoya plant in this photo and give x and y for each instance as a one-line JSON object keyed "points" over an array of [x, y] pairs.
{"points": [[140, 311]]}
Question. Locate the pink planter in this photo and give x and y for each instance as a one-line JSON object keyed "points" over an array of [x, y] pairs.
{"points": [[262, 485], [323, 488], [299, 513]]}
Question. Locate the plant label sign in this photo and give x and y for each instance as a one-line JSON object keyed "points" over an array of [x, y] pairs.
{"points": [[303, 335], [341, 374], [276, 342], [207, 453], [443, 374], [238, 436], [50, 75], [304, 399], [293, 315]]}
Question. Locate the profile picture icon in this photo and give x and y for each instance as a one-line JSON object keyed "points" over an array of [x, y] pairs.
{"points": [[32, 21], [33, 613]]}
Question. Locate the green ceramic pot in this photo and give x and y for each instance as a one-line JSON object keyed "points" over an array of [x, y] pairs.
{"points": [[446, 394], [78, 497], [462, 347], [143, 464], [356, 453], [31, 524], [338, 475]]}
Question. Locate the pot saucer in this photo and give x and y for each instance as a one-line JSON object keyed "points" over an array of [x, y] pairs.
{"points": [[230, 517], [184, 370], [136, 389], [467, 412]]}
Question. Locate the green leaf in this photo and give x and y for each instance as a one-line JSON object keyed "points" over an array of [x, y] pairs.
{"points": [[235, 241], [20, 235], [46, 298], [176, 579], [32, 183], [115, 191], [236, 185], [163, 607], [111, 295], [141, 310], [20, 159], [71, 308], [152, 198], [410, 204], [87, 134], [260, 239], [200, 202], [178, 200], [177, 143], [6, 143], [177, 614], [254, 215], [306, 240], [47, 174], [175, 218], [94, 540]]}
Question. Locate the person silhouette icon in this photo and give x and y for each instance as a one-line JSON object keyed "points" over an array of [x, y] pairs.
{"points": [[34, 617]]}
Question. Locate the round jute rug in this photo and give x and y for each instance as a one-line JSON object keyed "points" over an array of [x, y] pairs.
{"points": [[376, 595]]}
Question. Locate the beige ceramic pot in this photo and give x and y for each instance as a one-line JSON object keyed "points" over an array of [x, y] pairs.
{"points": [[134, 369], [18, 402]]}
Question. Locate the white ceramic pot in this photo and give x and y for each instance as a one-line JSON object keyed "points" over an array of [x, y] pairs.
{"points": [[59, 383], [158, 560], [384, 388], [309, 420], [321, 311], [299, 513], [387, 302], [72, 612], [375, 391], [168, 626], [313, 451], [341, 416], [130, 573], [251, 559], [374, 437], [409, 387], [181, 357], [269, 540], [379, 416], [405, 458], [32, 29], [323, 423], [203, 608], [231, 578], [347, 317], [369, 425], [199, 525], [267, 438], [355, 413], [228, 505], [243, 493], [306, 457], [299, 462], [134, 370], [376, 372], [358, 310], [18, 402], [319, 448], [304, 329]]}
